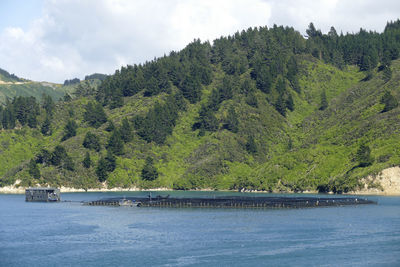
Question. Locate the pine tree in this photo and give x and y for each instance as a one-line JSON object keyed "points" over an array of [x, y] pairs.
{"points": [[87, 162], [387, 74], [45, 129], [115, 143], [389, 101], [94, 114], [111, 161], [58, 156], [101, 170], [69, 130], [232, 122], [251, 145], [110, 127], [290, 102], [34, 169], [126, 131], [280, 105], [48, 104], [363, 156], [324, 101], [32, 121], [91, 141], [149, 172]]}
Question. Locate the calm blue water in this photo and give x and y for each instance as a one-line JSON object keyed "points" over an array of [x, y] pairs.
{"points": [[67, 233]]}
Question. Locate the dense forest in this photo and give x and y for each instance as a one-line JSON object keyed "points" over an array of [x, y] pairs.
{"points": [[263, 109]]}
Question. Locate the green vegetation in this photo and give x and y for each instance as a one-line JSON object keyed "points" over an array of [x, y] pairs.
{"points": [[264, 109]]}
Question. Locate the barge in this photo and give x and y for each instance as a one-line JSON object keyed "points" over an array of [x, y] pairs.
{"points": [[42, 194]]}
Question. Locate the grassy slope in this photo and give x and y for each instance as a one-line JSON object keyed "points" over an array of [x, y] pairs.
{"points": [[308, 148]]}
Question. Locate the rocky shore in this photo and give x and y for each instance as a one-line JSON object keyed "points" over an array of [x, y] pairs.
{"points": [[386, 183]]}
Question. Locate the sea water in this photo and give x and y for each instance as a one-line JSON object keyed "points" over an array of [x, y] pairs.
{"points": [[70, 234]]}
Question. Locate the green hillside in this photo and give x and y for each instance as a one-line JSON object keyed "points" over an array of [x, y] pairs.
{"points": [[12, 86], [264, 109]]}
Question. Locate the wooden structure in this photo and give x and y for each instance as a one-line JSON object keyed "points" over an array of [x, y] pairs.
{"points": [[42, 194]]}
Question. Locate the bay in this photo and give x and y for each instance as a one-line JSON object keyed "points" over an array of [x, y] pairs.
{"points": [[70, 234]]}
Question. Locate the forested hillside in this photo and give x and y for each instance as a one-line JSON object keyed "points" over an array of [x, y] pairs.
{"points": [[263, 109]]}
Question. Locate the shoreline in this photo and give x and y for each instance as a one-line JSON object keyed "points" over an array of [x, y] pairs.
{"points": [[385, 183], [13, 190]]}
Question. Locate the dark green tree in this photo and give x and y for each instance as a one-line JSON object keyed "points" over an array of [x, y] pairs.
{"points": [[251, 99], [149, 171], [387, 74], [363, 156], [290, 102], [111, 161], [68, 163], [34, 169], [101, 170], [87, 162], [58, 155], [126, 131], [69, 130], [110, 127], [231, 121], [44, 157], [251, 145], [389, 101], [91, 141], [32, 121], [45, 129], [48, 104], [324, 101], [115, 143], [206, 120], [280, 105], [94, 114]]}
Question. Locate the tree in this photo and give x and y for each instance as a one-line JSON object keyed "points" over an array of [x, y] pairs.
{"points": [[232, 122], [105, 165], [251, 145], [34, 169], [69, 130], [289, 102], [101, 170], [387, 74], [45, 129], [115, 143], [91, 141], [110, 127], [48, 104], [389, 101], [111, 161], [32, 121], [149, 172], [87, 162], [363, 156], [94, 114], [126, 131], [58, 155], [324, 101], [280, 105], [206, 120]]}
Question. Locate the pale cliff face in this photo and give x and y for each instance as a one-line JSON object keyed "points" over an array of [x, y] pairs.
{"points": [[388, 179]]}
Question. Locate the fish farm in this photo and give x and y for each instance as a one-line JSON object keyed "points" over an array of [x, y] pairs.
{"points": [[231, 202]]}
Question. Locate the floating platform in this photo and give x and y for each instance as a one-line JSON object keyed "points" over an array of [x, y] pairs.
{"points": [[233, 202], [42, 194]]}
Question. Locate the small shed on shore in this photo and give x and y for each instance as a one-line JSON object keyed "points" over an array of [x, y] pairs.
{"points": [[42, 194]]}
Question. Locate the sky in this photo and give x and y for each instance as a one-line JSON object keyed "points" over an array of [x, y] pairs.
{"points": [[55, 40]]}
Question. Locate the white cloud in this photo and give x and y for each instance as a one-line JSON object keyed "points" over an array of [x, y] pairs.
{"points": [[74, 38]]}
